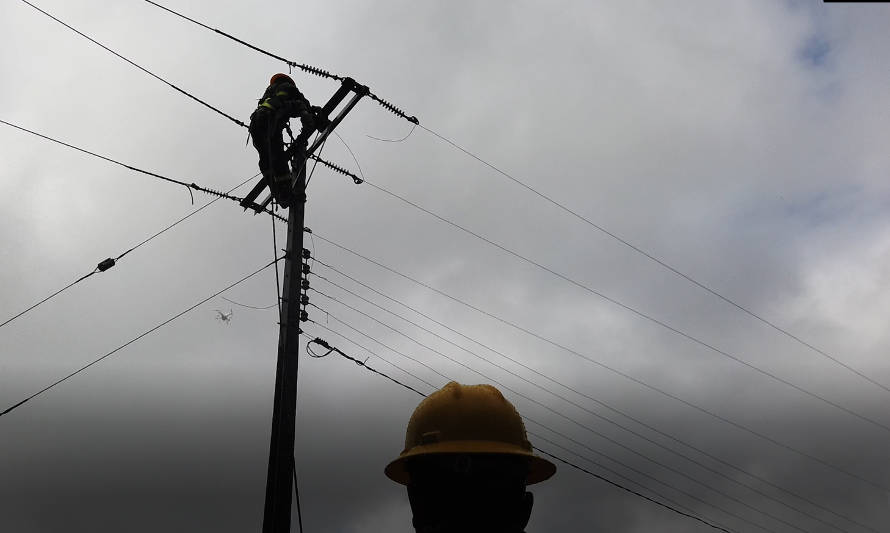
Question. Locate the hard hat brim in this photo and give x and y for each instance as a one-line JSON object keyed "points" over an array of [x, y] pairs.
{"points": [[540, 469]]}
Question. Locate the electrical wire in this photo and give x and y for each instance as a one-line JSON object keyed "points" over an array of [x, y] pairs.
{"points": [[615, 484], [598, 402], [401, 139], [638, 312], [108, 263], [242, 124], [342, 140], [362, 363], [131, 341], [561, 206], [390, 348], [188, 186], [249, 306], [297, 496], [110, 160], [660, 262], [604, 366], [353, 359], [565, 417], [50, 297], [368, 350], [316, 160], [603, 404], [143, 69], [305, 68]]}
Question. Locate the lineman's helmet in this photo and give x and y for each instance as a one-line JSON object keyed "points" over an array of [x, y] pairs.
{"points": [[471, 419], [277, 78]]}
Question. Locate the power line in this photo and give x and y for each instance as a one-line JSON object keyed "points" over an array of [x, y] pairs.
{"points": [[305, 68], [390, 348], [561, 206], [660, 262], [189, 186], [323, 343], [637, 312], [143, 69], [110, 262], [131, 341], [603, 404], [530, 433], [625, 375], [249, 306], [105, 158], [400, 139], [50, 297], [364, 364], [563, 416]]}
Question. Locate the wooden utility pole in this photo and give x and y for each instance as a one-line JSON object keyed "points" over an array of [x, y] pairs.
{"points": [[279, 481]]}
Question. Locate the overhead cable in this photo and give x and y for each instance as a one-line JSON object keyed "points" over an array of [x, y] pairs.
{"points": [[331, 349], [190, 186], [568, 418], [131, 341], [51, 296], [112, 261], [143, 69], [593, 413], [600, 364], [305, 68], [661, 262], [636, 311], [249, 306], [547, 198]]}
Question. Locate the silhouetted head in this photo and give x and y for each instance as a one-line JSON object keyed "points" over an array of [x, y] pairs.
{"points": [[467, 462], [281, 78]]}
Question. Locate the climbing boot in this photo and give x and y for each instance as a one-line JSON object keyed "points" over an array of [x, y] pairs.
{"points": [[281, 187]]}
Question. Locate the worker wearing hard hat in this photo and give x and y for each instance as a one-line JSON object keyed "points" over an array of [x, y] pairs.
{"points": [[467, 462], [280, 102]]}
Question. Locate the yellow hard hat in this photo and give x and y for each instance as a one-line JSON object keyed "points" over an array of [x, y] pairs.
{"points": [[474, 419]]}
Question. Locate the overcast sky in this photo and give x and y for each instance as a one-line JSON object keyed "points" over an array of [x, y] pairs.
{"points": [[744, 143]]}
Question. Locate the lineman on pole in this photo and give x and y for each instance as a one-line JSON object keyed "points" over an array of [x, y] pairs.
{"points": [[281, 102], [467, 462]]}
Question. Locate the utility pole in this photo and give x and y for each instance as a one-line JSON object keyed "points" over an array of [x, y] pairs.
{"points": [[280, 476], [279, 479]]}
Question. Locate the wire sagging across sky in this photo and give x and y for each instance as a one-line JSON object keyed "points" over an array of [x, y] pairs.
{"points": [[333, 349], [609, 368], [112, 261], [131, 341], [652, 257], [560, 414], [637, 312], [732, 479], [143, 69]]}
